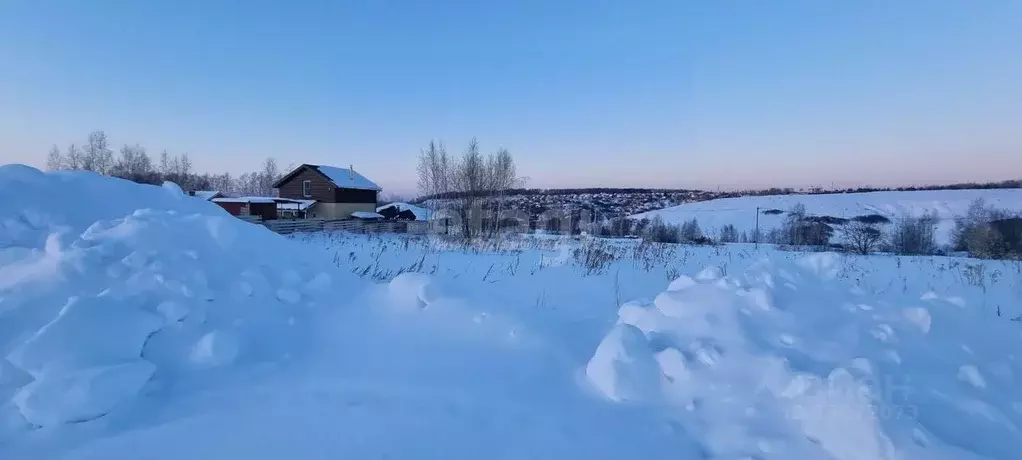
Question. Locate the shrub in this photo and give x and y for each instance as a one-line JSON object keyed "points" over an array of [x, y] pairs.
{"points": [[862, 237], [553, 225], [773, 212], [729, 234], [641, 225], [659, 231], [988, 233], [1010, 230], [594, 257], [802, 230], [915, 235], [616, 227], [690, 232]]}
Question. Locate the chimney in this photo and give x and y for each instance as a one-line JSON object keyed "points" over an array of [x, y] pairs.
{"points": [[351, 172]]}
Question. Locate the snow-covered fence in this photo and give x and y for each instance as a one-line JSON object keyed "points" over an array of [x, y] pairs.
{"points": [[288, 226]]}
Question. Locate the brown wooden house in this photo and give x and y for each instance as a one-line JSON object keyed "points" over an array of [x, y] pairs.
{"points": [[338, 191]]}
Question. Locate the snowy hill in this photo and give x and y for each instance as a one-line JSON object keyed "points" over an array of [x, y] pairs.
{"points": [[741, 212], [153, 325]]}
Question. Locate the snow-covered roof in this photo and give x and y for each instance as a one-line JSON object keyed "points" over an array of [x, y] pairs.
{"points": [[206, 194], [245, 199], [420, 212], [366, 215], [301, 205], [347, 178]]}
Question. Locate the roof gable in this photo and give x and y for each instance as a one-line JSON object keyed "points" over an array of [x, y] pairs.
{"points": [[341, 177], [347, 178]]}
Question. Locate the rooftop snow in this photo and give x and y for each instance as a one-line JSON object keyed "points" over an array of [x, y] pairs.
{"points": [[346, 178], [206, 194], [245, 199], [301, 205], [366, 215]]}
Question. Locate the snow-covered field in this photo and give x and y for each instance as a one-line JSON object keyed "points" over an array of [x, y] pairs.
{"points": [[948, 205], [152, 325]]}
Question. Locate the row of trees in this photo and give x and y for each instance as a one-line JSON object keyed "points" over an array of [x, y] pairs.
{"points": [[984, 232], [658, 231], [470, 188], [134, 163]]}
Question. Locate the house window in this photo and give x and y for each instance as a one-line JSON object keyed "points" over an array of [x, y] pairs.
{"points": [[306, 188]]}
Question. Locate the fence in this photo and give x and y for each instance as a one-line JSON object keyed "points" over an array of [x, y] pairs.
{"points": [[287, 226]]}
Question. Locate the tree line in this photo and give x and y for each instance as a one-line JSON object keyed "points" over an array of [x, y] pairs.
{"points": [[984, 232], [749, 192], [133, 163]]}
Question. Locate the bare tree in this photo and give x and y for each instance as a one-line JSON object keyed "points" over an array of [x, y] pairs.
{"points": [[469, 181], [793, 229], [73, 158], [166, 168], [97, 154], [222, 183], [434, 172], [184, 165], [269, 175], [862, 237], [501, 176], [248, 184], [467, 185], [54, 160], [134, 164], [915, 235]]}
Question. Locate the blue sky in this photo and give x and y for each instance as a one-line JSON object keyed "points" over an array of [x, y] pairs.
{"points": [[670, 93]]}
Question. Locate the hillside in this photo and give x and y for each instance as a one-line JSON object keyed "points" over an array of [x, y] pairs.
{"points": [[741, 211]]}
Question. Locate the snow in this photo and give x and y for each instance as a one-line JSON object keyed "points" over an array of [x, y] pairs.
{"points": [[366, 215], [148, 328], [206, 194], [82, 395], [420, 212], [347, 178], [741, 212], [301, 205], [245, 199]]}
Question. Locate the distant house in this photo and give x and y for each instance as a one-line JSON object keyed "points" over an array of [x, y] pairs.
{"points": [[338, 192]]}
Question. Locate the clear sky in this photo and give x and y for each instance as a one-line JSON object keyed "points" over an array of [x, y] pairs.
{"points": [[671, 93]]}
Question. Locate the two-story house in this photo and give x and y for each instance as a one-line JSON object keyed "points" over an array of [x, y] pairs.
{"points": [[338, 192]]}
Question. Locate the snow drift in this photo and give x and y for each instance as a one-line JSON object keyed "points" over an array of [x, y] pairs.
{"points": [[107, 286], [785, 361]]}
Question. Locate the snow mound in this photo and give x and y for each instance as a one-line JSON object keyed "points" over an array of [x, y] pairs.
{"points": [[42, 206], [143, 283], [815, 377]]}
